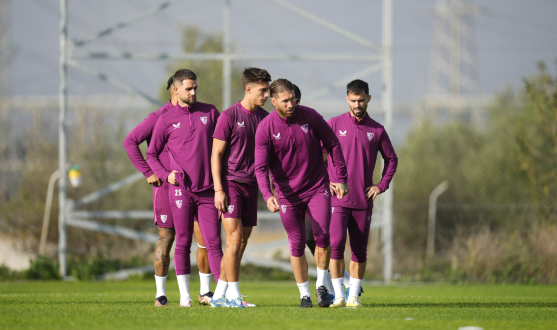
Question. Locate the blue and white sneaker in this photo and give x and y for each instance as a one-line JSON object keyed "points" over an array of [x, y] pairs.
{"points": [[347, 291], [221, 302], [236, 303]]}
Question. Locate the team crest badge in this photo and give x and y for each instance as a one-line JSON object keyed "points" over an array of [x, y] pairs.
{"points": [[369, 136], [163, 218], [230, 208], [332, 210], [283, 207], [204, 120], [304, 128], [179, 204]]}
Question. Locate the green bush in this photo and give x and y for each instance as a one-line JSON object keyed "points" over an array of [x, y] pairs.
{"points": [[43, 268]]}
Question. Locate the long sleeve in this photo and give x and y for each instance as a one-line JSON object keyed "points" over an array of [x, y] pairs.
{"points": [[158, 141], [332, 146], [390, 160], [140, 133], [262, 162]]}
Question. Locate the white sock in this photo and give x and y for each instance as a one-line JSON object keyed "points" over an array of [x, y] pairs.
{"points": [[346, 279], [321, 273], [337, 285], [329, 283], [233, 290], [220, 289], [204, 283], [161, 285], [184, 286], [355, 285], [304, 289]]}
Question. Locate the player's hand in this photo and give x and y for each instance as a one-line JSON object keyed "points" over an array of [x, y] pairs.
{"points": [[221, 201], [272, 204], [172, 178], [341, 189], [154, 180], [332, 188], [372, 192]]}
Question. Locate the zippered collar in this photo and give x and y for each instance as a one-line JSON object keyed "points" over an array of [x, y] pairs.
{"points": [[186, 109]]}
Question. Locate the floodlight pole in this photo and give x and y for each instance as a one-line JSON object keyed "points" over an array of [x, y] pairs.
{"points": [[226, 62], [387, 105], [63, 98]]}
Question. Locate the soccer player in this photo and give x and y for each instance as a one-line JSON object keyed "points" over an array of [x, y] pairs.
{"points": [[187, 132], [288, 145], [161, 206], [310, 241], [236, 190], [361, 138]]}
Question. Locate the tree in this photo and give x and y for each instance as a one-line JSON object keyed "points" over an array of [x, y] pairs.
{"points": [[209, 73], [537, 139]]}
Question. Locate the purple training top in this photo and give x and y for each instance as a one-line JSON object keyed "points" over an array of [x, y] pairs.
{"points": [[188, 134], [237, 126], [143, 132], [360, 141], [290, 149]]}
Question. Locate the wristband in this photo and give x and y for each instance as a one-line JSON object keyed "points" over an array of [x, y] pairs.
{"points": [[219, 190]]}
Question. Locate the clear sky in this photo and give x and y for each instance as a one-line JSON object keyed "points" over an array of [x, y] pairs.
{"points": [[511, 37]]}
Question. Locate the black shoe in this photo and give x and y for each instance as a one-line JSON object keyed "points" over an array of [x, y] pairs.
{"points": [[161, 301], [323, 299], [305, 302]]}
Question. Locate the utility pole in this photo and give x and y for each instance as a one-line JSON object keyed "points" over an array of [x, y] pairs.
{"points": [[62, 150], [387, 104], [453, 81]]}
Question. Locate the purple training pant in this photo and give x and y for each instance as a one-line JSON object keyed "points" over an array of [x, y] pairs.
{"points": [[293, 216], [357, 222], [185, 205]]}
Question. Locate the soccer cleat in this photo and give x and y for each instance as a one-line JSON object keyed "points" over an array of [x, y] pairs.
{"points": [[236, 303], [161, 301], [353, 302], [305, 302], [246, 304], [205, 300], [347, 291], [187, 304], [323, 299], [331, 297], [221, 302], [338, 302]]}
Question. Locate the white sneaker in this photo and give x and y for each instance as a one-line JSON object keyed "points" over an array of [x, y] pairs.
{"points": [[353, 302], [187, 304], [338, 302]]}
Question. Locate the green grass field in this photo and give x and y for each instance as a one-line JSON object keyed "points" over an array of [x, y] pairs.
{"points": [[129, 304]]}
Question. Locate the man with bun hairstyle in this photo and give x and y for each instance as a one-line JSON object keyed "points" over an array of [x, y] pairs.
{"points": [[187, 132], [161, 205], [288, 146]]}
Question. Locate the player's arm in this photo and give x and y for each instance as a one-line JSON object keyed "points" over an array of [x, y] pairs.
{"points": [[219, 147], [131, 143], [158, 141], [332, 146], [262, 168], [390, 161]]}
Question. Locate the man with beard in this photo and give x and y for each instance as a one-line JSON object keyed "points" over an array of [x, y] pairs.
{"points": [[288, 145], [361, 139], [187, 132]]}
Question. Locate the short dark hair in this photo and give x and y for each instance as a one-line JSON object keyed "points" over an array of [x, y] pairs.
{"points": [[279, 86], [170, 82], [183, 74], [297, 92], [357, 87], [255, 75]]}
